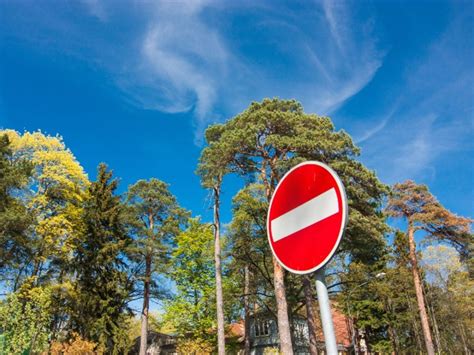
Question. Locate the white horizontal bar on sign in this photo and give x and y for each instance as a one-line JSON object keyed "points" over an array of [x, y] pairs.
{"points": [[315, 210]]}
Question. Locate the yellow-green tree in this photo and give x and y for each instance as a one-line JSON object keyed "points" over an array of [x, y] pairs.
{"points": [[54, 198], [25, 318], [192, 311]]}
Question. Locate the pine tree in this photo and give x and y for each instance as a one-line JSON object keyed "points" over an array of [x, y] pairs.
{"points": [[422, 211], [102, 287], [155, 218], [212, 168], [265, 141]]}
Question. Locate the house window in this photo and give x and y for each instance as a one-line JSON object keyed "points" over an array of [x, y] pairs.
{"points": [[262, 328], [300, 331]]}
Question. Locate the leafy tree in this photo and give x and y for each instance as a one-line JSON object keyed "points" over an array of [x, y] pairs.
{"points": [[422, 211], [192, 311], [460, 303], [449, 294], [102, 287], [155, 218], [14, 219], [268, 138], [54, 199], [25, 317]]}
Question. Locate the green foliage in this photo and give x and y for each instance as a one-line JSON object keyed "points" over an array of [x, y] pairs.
{"points": [[14, 219], [73, 255], [450, 295], [102, 288], [263, 143], [192, 311], [154, 219], [53, 199], [272, 136], [423, 211], [195, 346], [25, 317], [248, 238]]}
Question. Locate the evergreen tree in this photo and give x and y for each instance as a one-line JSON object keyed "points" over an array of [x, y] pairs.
{"points": [[269, 138], [14, 219], [213, 165], [422, 211], [155, 218], [102, 287]]}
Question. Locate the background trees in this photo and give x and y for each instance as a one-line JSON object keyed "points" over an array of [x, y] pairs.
{"points": [[25, 317], [76, 256], [423, 212]]}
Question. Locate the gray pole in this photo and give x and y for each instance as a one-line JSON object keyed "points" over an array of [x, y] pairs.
{"points": [[325, 310]]}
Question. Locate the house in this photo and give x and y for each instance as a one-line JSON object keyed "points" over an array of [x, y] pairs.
{"points": [[264, 333]]}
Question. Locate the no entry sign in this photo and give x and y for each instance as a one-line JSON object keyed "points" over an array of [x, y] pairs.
{"points": [[306, 217]]}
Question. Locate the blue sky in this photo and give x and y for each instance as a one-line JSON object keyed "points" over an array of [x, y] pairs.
{"points": [[134, 84]]}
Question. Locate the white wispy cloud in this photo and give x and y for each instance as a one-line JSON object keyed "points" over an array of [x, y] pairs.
{"points": [[333, 11], [181, 60], [212, 58], [188, 63], [372, 130], [345, 56], [433, 116], [417, 152]]}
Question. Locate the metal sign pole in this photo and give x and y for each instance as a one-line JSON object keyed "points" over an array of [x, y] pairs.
{"points": [[325, 310]]}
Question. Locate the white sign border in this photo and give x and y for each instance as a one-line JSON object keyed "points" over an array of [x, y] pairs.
{"points": [[345, 216]]}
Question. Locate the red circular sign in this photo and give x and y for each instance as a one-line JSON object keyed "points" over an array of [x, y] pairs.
{"points": [[306, 217]]}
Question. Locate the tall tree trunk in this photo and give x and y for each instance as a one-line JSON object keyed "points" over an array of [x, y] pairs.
{"points": [[246, 311], [217, 260], [419, 292], [284, 331], [311, 315], [433, 317], [146, 305]]}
